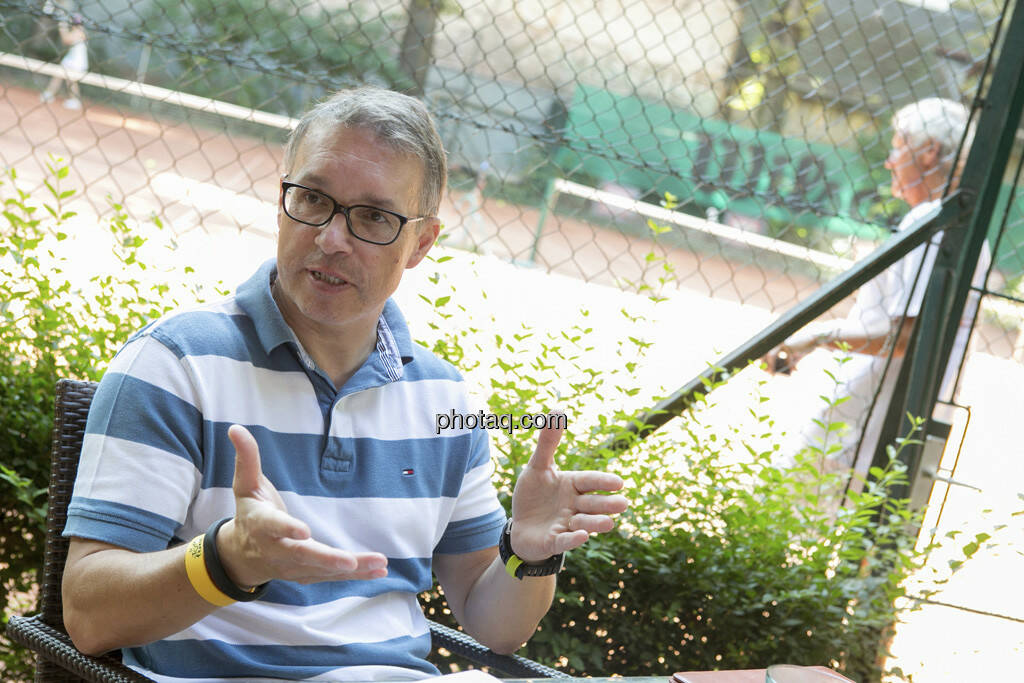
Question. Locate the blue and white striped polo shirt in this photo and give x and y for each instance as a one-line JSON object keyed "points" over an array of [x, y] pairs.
{"points": [[361, 466]]}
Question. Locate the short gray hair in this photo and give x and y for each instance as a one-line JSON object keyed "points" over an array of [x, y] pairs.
{"points": [[935, 119], [399, 121]]}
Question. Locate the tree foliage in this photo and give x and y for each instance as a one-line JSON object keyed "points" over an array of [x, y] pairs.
{"points": [[264, 54]]}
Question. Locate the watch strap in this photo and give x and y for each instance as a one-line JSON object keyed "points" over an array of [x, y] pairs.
{"points": [[217, 573], [516, 567]]}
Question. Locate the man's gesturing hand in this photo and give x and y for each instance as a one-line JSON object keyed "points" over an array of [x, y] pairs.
{"points": [[264, 542], [555, 511]]}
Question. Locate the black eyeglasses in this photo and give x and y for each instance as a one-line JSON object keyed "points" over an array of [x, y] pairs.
{"points": [[366, 223]]}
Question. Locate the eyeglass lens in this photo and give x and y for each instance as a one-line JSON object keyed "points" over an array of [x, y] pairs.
{"points": [[366, 222]]}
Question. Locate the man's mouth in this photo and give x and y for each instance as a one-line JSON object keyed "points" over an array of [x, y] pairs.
{"points": [[329, 279]]}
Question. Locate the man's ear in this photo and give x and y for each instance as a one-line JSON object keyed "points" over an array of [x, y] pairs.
{"points": [[928, 155], [425, 238], [280, 203]]}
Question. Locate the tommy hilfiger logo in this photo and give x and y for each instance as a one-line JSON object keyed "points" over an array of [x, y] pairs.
{"points": [[407, 472]]}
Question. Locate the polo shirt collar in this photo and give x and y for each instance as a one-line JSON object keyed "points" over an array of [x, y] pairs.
{"points": [[254, 297], [393, 331]]}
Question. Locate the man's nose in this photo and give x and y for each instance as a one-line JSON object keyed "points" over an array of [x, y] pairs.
{"points": [[335, 236]]}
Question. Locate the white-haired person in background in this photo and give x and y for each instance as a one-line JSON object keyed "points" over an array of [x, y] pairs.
{"points": [[925, 140]]}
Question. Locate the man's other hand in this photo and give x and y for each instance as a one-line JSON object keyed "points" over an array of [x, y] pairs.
{"points": [[555, 511], [780, 360], [784, 357], [264, 542]]}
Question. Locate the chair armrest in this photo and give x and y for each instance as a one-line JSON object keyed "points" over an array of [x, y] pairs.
{"points": [[53, 645], [513, 666]]}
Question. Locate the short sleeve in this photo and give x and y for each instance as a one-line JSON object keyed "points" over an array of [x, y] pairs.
{"points": [[916, 270], [909, 277], [138, 472], [478, 517]]}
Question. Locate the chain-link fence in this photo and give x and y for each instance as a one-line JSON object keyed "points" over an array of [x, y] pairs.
{"points": [[566, 125]]}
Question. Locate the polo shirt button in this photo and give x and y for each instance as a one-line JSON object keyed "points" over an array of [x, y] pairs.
{"points": [[335, 460]]}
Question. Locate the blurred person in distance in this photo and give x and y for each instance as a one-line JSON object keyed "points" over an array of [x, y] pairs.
{"points": [[75, 62], [923, 148]]}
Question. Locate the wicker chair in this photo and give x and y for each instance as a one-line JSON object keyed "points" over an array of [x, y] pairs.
{"points": [[44, 633]]}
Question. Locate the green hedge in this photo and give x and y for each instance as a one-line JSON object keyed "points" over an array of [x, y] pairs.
{"points": [[50, 327]]}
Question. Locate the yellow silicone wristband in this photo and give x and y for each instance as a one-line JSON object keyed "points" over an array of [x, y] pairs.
{"points": [[513, 565], [195, 568]]}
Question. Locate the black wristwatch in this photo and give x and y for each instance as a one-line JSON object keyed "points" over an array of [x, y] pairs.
{"points": [[515, 566]]}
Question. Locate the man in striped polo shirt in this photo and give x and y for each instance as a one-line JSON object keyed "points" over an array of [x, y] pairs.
{"points": [[262, 493]]}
